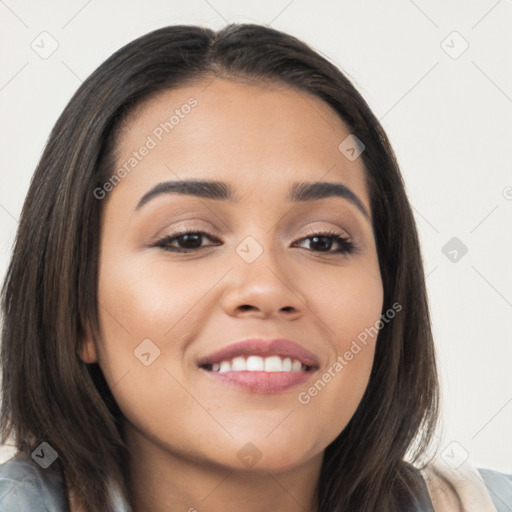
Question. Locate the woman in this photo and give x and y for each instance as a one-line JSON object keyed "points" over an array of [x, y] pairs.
{"points": [[222, 295]]}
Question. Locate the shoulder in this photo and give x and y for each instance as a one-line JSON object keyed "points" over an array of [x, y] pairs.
{"points": [[499, 487], [468, 488], [26, 487]]}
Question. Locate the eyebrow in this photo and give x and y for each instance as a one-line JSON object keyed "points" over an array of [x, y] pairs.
{"points": [[220, 191]]}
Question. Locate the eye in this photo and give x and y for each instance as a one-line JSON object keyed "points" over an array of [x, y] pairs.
{"points": [[323, 241], [190, 239]]}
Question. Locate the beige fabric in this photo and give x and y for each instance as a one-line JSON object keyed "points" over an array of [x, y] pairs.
{"points": [[467, 482]]}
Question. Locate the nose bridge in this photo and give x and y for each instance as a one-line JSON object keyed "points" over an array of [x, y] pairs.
{"points": [[260, 247], [260, 279]]}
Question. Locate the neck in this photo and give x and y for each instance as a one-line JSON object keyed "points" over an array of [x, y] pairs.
{"points": [[161, 480]]}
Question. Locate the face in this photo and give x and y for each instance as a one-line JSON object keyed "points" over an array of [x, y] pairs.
{"points": [[267, 263]]}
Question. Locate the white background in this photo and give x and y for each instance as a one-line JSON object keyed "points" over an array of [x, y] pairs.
{"points": [[449, 120]]}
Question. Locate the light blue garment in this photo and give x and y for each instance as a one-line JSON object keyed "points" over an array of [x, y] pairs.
{"points": [[26, 487], [499, 487]]}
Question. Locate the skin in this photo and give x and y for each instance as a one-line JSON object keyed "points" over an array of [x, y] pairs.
{"points": [[184, 429]]}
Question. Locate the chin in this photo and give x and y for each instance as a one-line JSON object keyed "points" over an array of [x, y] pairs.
{"points": [[273, 456]]}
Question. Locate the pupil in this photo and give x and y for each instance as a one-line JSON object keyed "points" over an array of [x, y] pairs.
{"points": [[187, 238], [324, 238]]}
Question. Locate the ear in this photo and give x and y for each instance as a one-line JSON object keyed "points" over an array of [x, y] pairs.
{"points": [[87, 351]]}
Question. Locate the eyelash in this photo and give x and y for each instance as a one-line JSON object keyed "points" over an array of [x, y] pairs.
{"points": [[346, 245]]}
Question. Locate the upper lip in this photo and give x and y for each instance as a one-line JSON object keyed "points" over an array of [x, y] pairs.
{"points": [[264, 348]]}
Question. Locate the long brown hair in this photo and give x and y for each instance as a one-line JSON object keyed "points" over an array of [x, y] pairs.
{"points": [[49, 298]]}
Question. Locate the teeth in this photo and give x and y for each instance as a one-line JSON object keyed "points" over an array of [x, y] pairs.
{"points": [[255, 364], [296, 366], [259, 364], [274, 364], [238, 364]]}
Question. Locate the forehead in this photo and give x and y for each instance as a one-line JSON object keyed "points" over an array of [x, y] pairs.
{"points": [[256, 137]]}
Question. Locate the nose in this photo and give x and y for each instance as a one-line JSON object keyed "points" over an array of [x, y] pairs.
{"points": [[263, 289]]}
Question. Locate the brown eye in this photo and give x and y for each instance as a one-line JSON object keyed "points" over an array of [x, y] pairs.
{"points": [[191, 241], [186, 241], [323, 242]]}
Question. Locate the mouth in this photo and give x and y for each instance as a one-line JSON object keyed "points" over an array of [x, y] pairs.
{"points": [[261, 366], [255, 363]]}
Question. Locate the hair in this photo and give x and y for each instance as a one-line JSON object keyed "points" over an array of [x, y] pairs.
{"points": [[49, 298]]}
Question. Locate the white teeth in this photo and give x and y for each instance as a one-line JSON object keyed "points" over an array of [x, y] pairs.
{"points": [[238, 364], [258, 364], [274, 364], [225, 366], [296, 366], [255, 364]]}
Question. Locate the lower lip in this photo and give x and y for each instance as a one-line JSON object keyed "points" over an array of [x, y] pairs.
{"points": [[263, 382]]}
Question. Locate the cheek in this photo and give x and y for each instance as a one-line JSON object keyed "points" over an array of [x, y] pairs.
{"points": [[148, 314], [140, 309], [356, 302], [352, 313], [152, 307], [149, 300], [347, 302]]}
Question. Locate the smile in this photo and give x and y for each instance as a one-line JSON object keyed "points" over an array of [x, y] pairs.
{"points": [[253, 363], [261, 366]]}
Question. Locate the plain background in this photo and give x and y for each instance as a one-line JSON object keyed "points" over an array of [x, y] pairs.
{"points": [[446, 108]]}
